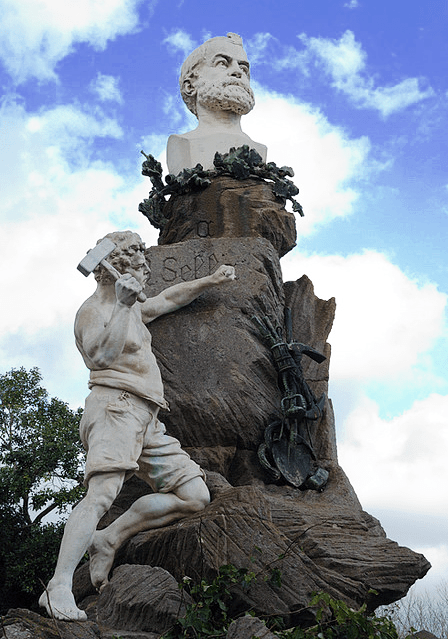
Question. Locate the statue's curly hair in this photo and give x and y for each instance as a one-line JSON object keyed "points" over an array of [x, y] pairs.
{"points": [[120, 256]]}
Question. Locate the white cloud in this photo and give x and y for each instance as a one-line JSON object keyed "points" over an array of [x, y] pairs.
{"points": [[399, 463], [37, 34], [384, 320], [206, 35], [53, 211], [55, 204], [175, 110], [106, 88], [352, 4], [343, 58], [256, 47], [391, 99], [180, 41], [345, 62], [39, 146], [326, 161], [155, 144], [67, 122]]}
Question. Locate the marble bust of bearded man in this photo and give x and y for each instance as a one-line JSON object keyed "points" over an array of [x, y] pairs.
{"points": [[215, 86]]}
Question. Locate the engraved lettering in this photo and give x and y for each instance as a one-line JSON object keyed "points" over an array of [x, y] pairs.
{"points": [[203, 265], [199, 263], [212, 263], [203, 229], [169, 272], [185, 272]]}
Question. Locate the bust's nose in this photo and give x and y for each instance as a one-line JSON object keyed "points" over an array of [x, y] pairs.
{"points": [[234, 69]]}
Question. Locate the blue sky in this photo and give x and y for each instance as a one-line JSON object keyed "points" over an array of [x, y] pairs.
{"points": [[353, 95]]}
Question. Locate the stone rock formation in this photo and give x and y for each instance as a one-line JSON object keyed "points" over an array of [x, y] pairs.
{"points": [[222, 388], [211, 214], [249, 627], [141, 598]]}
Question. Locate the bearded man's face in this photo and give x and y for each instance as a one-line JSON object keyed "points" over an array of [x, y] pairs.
{"points": [[224, 81]]}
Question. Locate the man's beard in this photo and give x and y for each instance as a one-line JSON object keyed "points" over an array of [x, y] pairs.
{"points": [[227, 96]]}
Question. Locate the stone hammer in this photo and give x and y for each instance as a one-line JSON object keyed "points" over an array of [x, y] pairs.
{"points": [[97, 256]]}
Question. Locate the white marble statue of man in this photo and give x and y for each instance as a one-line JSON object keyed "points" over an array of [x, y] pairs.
{"points": [[119, 427], [215, 86]]}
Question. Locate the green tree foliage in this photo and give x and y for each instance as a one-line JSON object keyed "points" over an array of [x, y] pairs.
{"points": [[41, 459]]}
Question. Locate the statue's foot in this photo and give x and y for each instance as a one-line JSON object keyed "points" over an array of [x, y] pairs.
{"points": [[60, 603], [101, 560]]}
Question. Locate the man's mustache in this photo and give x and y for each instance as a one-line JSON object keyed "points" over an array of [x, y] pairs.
{"points": [[236, 82]]}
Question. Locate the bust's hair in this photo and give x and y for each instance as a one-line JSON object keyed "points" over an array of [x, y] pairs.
{"points": [[119, 258], [190, 67]]}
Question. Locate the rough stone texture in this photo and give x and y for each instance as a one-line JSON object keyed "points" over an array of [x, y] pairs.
{"points": [[340, 538], [317, 541], [219, 459], [237, 529], [312, 320], [142, 598], [230, 208], [22, 623], [218, 376], [249, 627]]}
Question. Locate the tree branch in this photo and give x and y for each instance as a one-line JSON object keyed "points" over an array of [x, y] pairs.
{"points": [[43, 513]]}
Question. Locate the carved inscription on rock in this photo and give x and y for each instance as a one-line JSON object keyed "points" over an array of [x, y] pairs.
{"points": [[203, 228], [174, 268], [256, 263]]}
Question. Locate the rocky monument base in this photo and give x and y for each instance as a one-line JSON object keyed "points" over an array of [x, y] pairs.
{"points": [[222, 388]]}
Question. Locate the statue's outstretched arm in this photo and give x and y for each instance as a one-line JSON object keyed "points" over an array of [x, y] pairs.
{"points": [[183, 293]]}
